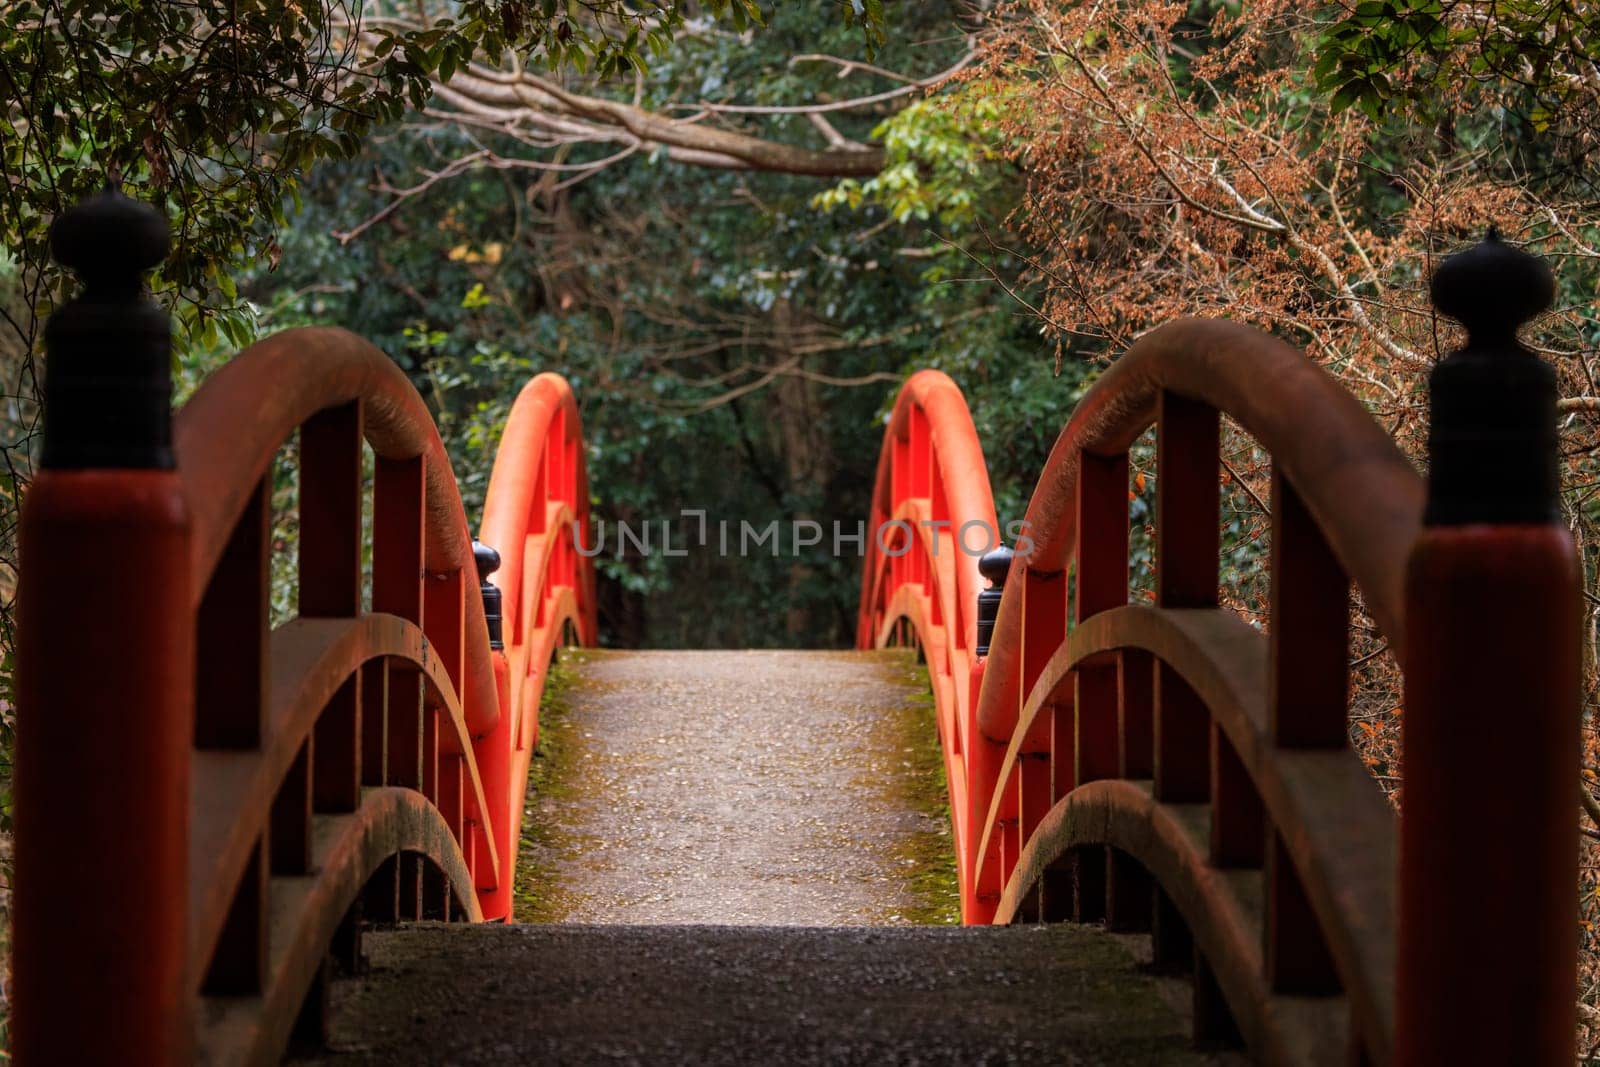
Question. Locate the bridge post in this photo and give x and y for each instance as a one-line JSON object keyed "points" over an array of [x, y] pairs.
{"points": [[105, 672], [984, 756], [493, 751], [1488, 853]]}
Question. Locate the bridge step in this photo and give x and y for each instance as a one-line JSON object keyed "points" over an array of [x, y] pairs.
{"points": [[710, 995]]}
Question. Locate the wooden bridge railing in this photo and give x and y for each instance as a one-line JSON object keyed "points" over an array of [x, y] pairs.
{"points": [[1173, 769], [930, 472], [207, 806]]}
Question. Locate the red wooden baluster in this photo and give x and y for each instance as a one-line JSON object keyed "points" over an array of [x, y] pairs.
{"points": [[1102, 584], [1308, 687], [330, 513], [330, 586], [1310, 635], [1128, 893], [435, 894], [445, 622], [232, 633], [290, 824], [1238, 823], [399, 495], [1182, 740], [238, 965], [336, 770], [1171, 942], [431, 712], [230, 713], [1187, 550], [1213, 1019], [398, 507], [1136, 713], [374, 698], [983, 759], [380, 899], [1188, 503], [1297, 956], [1089, 884], [405, 725], [1034, 781], [1044, 628]]}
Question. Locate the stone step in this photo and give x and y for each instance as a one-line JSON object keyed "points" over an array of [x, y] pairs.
{"points": [[712, 995]]}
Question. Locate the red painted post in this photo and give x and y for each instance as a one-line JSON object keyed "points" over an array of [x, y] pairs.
{"points": [[106, 674], [1488, 920], [1102, 575], [493, 751], [983, 755]]}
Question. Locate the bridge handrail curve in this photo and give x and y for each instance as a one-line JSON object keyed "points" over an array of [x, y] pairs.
{"points": [[514, 486], [362, 753], [228, 433], [1363, 493], [931, 471], [534, 513], [960, 470]]}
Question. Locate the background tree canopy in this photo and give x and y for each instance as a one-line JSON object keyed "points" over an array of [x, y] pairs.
{"points": [[730, 340]]}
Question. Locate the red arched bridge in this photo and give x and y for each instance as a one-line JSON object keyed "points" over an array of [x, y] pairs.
{"points": [[209, 808]]}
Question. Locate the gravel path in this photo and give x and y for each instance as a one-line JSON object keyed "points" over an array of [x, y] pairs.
{"points": [[773, 788], [726, 856]]}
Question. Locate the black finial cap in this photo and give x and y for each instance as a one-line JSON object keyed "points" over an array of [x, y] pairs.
{"points": [[488, 561], [1492, 289], [1492, 445], [110, 239], [995, 566], [108, 382]]}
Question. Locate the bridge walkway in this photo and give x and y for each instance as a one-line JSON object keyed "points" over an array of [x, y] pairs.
{"points": [[732, 857]]}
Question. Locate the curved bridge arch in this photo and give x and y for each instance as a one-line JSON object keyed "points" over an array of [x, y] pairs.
{"points": [[931, 480], [1171, 762], [362, 753]]}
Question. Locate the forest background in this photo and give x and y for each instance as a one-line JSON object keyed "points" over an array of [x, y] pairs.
{"points": [[736, 228]]}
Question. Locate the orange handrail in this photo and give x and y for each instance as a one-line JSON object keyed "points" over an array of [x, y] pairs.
{"points": [[535, 515], [1065, 701], [228, 433], [1316, 432], [931, 484]]}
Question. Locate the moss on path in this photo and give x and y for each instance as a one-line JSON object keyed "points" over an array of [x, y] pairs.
{"points": [[738, 787]]}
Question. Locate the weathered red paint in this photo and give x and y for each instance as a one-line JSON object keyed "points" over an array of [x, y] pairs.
{"points": [[106, 688], [1488, 924]]}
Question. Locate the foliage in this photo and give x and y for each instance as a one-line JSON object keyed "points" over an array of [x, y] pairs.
{"points": [[937, 165], [217, 110], [729, 344], [1534, 57]]}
